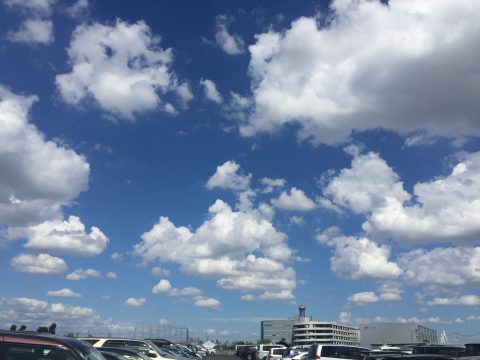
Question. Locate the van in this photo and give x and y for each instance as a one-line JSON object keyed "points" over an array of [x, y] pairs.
{"points": [[334, 352], [263, 350]]}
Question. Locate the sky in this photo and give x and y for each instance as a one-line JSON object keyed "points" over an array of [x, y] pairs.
{"points": [[211, 164]]}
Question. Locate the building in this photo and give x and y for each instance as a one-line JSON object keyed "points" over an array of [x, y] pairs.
{"points": [[309, 332], [397, 334], [282, 330]]}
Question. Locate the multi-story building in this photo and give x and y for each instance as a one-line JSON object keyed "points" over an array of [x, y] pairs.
{"points": [[398, 334], [282, 330], [309, 332]]}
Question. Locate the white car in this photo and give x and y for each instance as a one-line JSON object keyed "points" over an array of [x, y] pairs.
{"points": [[264, 349], [144, 346], [335, 352], [276, 353]]}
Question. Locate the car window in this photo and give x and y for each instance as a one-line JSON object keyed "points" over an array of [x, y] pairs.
{"points": [[114, 343], [329, 351], [30, 352]]}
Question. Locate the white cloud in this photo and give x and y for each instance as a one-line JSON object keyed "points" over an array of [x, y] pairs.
{"points": [[359, 258], [164, 322], [390, 291], [280, 295], [78, 9], [39, 264], [68, 237], [185, 93], [34, 313], [111, 275], [33, 31], [121, 67], [445, 209], [452, 267], [158, 271], [210, 91], [67, 293], [34, 7], [117, 257], [82, 274], [401, 66], [353, 188], [271, 184], [227, 176], [296, 200], [232, 44], [208, 303], [222, 247], [247, 297], [467, 300], [135, 302], [363, 298], [164, 287], [344, 317], [42, 175]]}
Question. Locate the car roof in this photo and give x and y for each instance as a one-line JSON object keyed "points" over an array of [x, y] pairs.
{"points": [[41, 338]]}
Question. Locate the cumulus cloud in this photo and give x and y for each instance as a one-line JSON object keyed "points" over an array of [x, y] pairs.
{"points": [[467, 300], [296, 200], [33, 7], [38, 264], [445, 209], [247, 297], [37, 26], [361, 69], [34, 313], [359, 258], [111, 275], [39, 177], [232, 44], [67, 237], [33, 31], [78, 10], [135, 302], [354, 189], [228, 176], [82, 274], [65, 292], [210, 91], [121, 67], [158, 271], [185, 93], [223, 247], [451, 267], [363, 297], [271, 184], [164, 287], [208, 303]]}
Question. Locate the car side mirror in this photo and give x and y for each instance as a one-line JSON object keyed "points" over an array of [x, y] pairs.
{"points": [[152, 354]]}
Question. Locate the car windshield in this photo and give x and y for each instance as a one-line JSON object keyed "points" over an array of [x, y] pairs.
{"points": [[89, 353]]}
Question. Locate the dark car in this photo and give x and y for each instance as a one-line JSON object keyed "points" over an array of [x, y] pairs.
{"points": [[453, 351], [19, 345], [111, 356]]}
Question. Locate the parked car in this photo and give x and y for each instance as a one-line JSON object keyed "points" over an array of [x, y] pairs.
{"points": [[334, 352], [145, 346], [472, 349], [111, 356], [454, 351], [26, 345], [263, 350], [130, 354], [276, 353], [247, 352], [296, 352]]}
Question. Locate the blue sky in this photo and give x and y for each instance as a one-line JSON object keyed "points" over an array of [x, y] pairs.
{"points": [[211, 164]]}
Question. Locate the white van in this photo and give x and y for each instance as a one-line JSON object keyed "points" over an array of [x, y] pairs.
{"points": [[264, 349], [335, 352]]}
